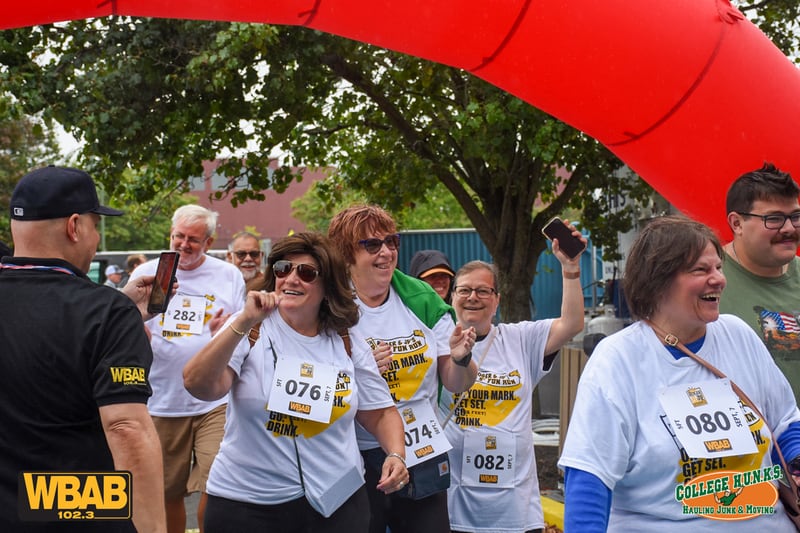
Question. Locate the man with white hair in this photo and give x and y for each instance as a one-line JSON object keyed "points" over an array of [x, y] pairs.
{"points": [[190, 429]]}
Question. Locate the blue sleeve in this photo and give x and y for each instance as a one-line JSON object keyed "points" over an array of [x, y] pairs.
{"points": [[587, 502], [789, 441]]}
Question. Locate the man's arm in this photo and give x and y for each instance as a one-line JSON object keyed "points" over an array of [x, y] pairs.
{"points": [[135, 447]]}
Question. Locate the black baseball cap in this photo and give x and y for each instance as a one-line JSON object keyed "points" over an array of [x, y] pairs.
{"points": [[56, 192]]}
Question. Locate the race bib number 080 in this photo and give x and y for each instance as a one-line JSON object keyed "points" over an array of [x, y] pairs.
{"points": [[707, 419]]}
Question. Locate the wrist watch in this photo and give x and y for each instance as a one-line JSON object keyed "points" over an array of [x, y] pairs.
{"points": [[464, 361]]}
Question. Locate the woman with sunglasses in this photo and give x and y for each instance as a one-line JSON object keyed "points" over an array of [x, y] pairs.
{"points": [[298, 381], [416, 345]]}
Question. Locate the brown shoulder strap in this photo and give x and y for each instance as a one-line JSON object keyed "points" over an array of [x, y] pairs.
{"points": [[252, 335], [345, 335]]}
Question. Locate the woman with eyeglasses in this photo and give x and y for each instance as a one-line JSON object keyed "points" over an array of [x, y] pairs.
{"points": [[299, 377], [416, 344], [494, 479], [658, 440]]}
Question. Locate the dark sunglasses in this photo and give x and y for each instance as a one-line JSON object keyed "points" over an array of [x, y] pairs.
{"points": [[306, 273], [255, 254], [373, 246]]}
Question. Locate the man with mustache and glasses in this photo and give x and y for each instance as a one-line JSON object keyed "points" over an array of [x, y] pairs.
{"points": [[244, 252], [761, 265]]}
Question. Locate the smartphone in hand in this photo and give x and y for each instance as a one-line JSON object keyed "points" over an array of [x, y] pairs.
{"points": [[569, 244], [162, 285]]}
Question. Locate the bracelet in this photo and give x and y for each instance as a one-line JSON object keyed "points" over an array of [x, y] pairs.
{"points": [[464, 361], [395, 454], [571, 275], [233, 329]]}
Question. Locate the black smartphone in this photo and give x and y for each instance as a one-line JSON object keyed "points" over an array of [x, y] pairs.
{"points": [[165, 279], [569, 244]]}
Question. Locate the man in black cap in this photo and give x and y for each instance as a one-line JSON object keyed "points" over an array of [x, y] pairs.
{"points": [[73, 374], [433, 267]]}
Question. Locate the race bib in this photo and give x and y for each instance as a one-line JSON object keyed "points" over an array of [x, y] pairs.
{"points": [[424, 437], [303, 389], [707, 419], [185, 314], [489, 459]]}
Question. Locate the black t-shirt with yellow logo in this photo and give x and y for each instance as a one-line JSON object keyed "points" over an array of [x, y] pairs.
{"points": [[68, 347]]}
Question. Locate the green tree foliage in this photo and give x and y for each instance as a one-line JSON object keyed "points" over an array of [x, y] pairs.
{"points": [[778, 19], [437, 210], [160, 96], [145, 225], [24, 144]]}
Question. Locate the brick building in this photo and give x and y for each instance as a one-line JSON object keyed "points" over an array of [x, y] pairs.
{"points": [[272, 218]]}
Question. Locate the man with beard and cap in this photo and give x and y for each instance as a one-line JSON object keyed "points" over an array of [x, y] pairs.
{"points": [[761, 264], [433, 267], [245, 253]]}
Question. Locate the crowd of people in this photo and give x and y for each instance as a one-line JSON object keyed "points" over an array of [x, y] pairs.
{"points": [[317, 387]]}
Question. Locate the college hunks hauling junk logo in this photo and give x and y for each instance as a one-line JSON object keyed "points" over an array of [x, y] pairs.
{"points": [[730, 495]]}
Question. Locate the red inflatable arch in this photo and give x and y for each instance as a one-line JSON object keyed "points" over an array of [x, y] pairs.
{"points": [[687, 92]]}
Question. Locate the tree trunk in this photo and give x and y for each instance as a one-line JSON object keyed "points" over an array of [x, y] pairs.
{"points": [[516, 267]]}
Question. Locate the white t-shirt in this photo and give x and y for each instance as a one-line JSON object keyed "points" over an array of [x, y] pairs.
{"points": [[617, 431], [221, 286], [497, 410], [257, 461], [416, 348]]}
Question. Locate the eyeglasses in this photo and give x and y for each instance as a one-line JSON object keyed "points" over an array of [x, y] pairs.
{"points": [[194, 241], [306, 273], [482, 292], [777, 220], [373, 246], [255, 254]]}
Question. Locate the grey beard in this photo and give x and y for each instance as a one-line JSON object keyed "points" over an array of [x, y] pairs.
{"points": [[249, 274]]}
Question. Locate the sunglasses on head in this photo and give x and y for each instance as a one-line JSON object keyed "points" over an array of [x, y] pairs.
{"points": [[306, 273], [373, 246], [255, 254]]}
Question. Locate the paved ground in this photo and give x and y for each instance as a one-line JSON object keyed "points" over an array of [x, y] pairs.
{"points": [[549, 476], [191, 511]]}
